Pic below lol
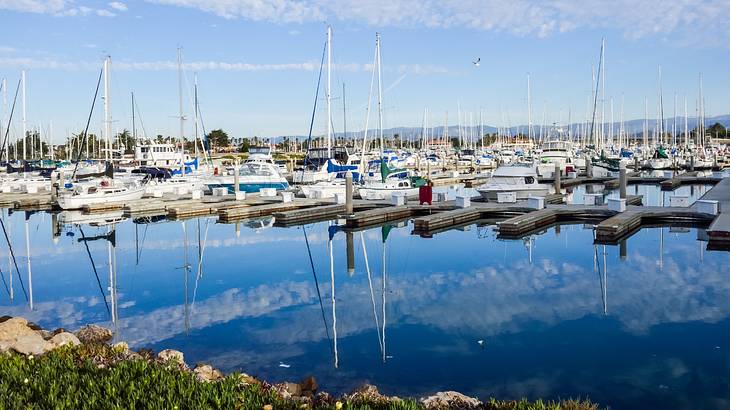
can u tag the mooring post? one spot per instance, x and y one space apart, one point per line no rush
636 164
556 175
348 193
350 254
692 163
589 167
236 188
54 187
622 249
622 180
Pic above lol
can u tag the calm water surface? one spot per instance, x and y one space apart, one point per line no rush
642 325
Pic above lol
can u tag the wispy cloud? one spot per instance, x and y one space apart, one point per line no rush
688 19
52 64
118 5
60 8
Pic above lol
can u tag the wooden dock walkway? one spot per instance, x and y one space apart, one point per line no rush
719 230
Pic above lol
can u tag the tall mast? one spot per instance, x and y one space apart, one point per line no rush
180 98
107 113
329 92
674 126
458 123
25 125
646 123
5 114
344 114
134 125
481 129
50 140
380 95
686 123
529 111
195 109
603 90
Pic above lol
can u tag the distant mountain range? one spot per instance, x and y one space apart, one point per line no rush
631 127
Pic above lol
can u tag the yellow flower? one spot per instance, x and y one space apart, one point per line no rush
338 405
25 381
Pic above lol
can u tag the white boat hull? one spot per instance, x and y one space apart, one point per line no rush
72 201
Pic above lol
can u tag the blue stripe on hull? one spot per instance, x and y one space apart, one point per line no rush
253 187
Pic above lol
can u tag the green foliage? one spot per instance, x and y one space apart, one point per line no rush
218 138
97 376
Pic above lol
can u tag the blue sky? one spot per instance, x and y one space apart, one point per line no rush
257 60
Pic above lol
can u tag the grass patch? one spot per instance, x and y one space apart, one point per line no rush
100 377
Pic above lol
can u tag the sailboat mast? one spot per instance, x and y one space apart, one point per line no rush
380 95
329 92
180 98
107 114
529 111
195 115
686 123
344 114
25 125
5 114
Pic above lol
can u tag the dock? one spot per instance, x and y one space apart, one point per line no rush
512 220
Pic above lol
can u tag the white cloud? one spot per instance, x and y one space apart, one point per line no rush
690 19
118 5
104 13
35 63
34 6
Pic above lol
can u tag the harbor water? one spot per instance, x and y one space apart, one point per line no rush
643 324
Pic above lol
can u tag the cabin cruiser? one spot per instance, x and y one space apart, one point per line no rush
252 176
263 154
556 152
522 180
161 155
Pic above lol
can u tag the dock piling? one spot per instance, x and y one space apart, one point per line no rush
622 180
348 193
556 175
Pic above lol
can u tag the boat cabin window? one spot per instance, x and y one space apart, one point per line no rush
529 180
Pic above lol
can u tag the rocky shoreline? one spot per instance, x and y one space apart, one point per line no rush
20 337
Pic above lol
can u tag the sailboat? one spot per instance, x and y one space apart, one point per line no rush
105 190
391 180
324 164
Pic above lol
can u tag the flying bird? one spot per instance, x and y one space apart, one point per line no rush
476 62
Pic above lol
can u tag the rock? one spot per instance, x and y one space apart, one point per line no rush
367 392
207 373
65 338
94 334
450 400
5 318
31 343
46 335
308 386
170 354
14 329
34 326
287 390
59 330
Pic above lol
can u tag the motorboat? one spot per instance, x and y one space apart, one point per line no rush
252 176
521 180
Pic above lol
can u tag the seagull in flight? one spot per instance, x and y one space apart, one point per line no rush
476 62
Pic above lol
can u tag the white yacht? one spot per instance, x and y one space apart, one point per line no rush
252 176
522 180
154 154
556 152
